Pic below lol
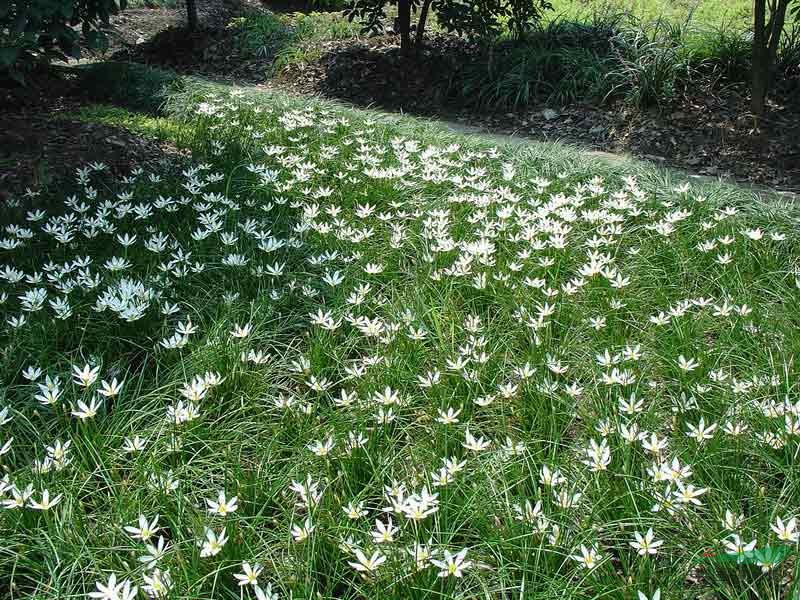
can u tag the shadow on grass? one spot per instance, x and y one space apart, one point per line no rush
176 96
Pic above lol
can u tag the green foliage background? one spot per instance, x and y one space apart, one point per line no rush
36 31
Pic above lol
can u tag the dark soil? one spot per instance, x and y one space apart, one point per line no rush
142 27
159 37
41 146
210 52
709 132
138 25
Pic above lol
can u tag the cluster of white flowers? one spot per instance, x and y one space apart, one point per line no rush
453 353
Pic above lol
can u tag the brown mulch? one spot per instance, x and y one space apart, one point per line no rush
138 25
159 37
210 52
709 133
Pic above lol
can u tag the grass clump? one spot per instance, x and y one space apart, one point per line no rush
614 56
131 85
262 34
561 62
651 68
351 356
291 39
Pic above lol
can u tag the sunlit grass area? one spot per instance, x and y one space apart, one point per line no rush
708 12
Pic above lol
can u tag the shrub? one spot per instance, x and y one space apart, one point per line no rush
323 26
562 62
515 76
34 32
723 52
295 55
614 57
651 67
290 39
262 34
478 19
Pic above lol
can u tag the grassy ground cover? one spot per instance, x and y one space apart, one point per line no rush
349 356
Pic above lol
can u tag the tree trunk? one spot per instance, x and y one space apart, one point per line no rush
758 91
404 23
191 15
777 20
423 17
766 41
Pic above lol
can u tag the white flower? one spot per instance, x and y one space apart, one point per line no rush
47 503
86 376
384 532
367 565
646 544
110 390
111 590
736 545
222 506
453 565
154 553
157 584
589 557
85 411
300 533
249 574
787 532
145 530
687 365
241 331
213 543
